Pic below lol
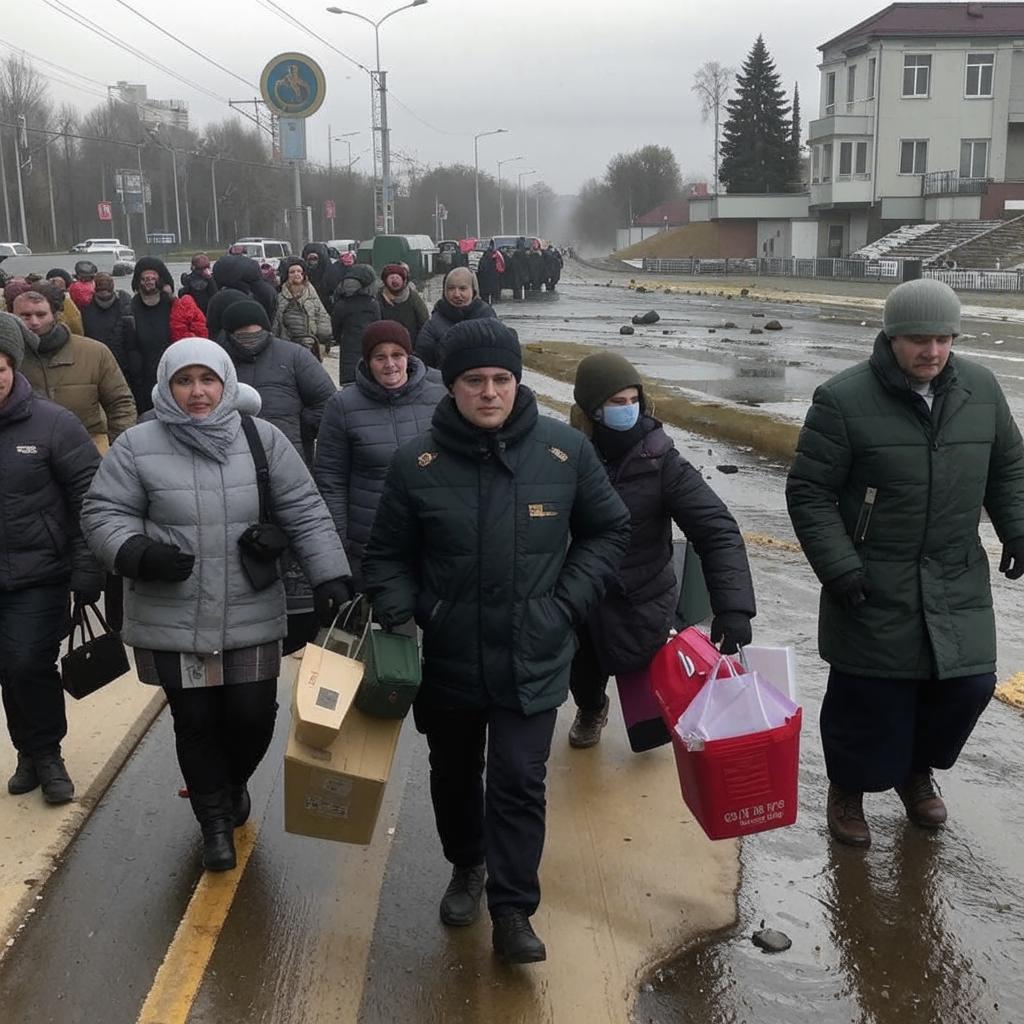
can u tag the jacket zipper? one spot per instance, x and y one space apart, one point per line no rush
864 519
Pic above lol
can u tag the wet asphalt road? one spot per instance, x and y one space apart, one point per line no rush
922 928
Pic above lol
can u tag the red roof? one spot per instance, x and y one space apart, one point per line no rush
676 210
938 19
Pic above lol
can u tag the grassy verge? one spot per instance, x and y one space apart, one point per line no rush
758 430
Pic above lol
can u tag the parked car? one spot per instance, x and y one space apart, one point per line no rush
124 261
96 245
343 244
13 249
264 248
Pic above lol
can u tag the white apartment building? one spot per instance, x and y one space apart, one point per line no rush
921 118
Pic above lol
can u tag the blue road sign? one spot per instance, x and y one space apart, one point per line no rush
293 85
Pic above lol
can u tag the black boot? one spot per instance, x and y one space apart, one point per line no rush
24 779
241 805
213 811
514 939
460 904
53 777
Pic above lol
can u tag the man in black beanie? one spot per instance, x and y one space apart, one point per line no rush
497 531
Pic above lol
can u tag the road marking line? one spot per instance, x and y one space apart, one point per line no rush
179 977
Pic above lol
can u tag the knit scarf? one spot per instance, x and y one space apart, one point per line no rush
54 340
394 298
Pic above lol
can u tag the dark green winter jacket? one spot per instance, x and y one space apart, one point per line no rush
500 544
881 484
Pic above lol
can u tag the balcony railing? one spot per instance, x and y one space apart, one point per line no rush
949 183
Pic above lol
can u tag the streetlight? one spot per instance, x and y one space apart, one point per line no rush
523 174
343 137
476 168
501 204
381 81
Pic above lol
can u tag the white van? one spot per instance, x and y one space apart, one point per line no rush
97 245
264 248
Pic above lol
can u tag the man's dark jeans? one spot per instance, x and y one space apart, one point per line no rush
33 622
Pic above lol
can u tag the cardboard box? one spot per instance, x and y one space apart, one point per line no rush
324 689
335 793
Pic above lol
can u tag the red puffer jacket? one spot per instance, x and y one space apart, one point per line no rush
187 320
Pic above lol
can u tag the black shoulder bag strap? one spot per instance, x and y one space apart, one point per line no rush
259 458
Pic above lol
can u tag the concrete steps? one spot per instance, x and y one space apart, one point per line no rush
927 242
1002 247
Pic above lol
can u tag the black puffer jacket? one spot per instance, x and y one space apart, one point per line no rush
350 316
152 336
445 316
47 461
659 486
242 274
316 270
152 263
115 327
500 542
362 428
293 386
200 287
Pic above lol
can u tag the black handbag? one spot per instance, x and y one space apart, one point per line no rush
97 660
263 543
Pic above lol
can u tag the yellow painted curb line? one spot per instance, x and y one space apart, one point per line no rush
179 977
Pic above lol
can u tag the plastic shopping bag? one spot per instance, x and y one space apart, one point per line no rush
733 705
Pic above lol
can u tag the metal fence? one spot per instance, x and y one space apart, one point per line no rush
883 271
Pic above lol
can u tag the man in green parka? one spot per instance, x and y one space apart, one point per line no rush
897 459
497 531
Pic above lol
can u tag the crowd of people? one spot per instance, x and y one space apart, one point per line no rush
190 454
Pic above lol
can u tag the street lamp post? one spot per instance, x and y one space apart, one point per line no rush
385 141
343 137
519 192
476 169
501 203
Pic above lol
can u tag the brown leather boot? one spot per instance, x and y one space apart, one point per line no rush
920 796
846 818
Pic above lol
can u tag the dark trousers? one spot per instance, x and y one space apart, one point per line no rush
587 680
504 825
875 732
222 732
33 622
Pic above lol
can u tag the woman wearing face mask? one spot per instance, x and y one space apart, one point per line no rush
391 402
166 510
354 310
300 315
400 301
659 487
461 301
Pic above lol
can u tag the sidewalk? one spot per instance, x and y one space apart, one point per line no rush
103 729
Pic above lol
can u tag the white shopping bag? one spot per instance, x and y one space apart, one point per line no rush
733 705
775 663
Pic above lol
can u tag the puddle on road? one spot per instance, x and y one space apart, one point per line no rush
924 928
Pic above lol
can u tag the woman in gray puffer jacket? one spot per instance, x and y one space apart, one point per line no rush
300 315
166 511
391 402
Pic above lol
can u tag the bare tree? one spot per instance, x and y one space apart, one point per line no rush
711 83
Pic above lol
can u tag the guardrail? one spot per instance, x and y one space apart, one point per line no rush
949 183
882 271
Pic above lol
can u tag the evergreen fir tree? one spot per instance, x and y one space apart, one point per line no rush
757 139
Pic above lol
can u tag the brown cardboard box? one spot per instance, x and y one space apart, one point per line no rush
335 793
324 689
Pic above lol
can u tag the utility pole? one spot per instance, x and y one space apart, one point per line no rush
49 186
71 190
142 187
177 206
213 186
501 201
476 169
21 142
3 184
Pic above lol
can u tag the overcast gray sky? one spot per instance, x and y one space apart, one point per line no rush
573 81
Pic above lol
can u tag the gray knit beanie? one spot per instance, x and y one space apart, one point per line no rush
923 307
13 337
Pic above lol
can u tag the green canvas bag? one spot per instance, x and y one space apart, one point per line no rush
392 675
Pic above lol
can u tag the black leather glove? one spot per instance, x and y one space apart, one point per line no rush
165 562
731 631
851 589
87 587
330 597
1011 565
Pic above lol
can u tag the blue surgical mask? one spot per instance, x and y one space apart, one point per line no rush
620 417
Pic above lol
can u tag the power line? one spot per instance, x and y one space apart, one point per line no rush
122 45
181 42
